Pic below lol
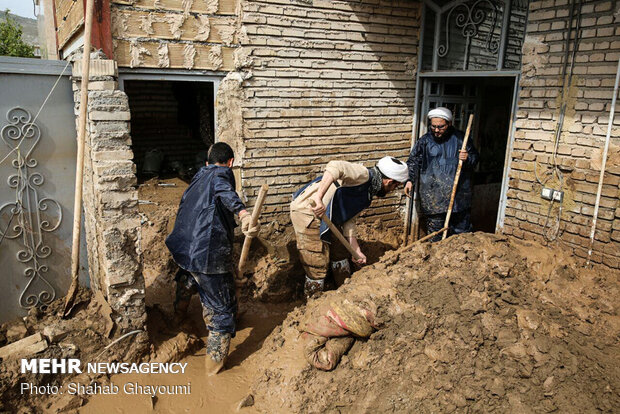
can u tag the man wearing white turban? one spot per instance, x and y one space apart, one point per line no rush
341 193
434 160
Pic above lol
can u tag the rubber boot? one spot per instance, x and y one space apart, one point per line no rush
217 351
313 286
341 270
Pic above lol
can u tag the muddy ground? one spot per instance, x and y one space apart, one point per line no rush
476 323
85 335
273 287
272 272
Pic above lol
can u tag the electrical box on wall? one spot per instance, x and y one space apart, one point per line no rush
551 194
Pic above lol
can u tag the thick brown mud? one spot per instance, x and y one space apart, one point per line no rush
217 394
476 323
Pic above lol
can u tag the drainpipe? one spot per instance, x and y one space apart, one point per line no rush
600 180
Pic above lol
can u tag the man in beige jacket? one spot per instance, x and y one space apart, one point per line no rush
344 190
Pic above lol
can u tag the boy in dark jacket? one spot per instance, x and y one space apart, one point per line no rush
201 244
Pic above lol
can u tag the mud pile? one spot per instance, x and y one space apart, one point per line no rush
84 336
158 209
273 273
476 323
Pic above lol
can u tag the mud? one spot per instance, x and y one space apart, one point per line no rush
272 273
218 394
84 336
476 323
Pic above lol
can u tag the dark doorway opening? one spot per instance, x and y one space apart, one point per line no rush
490 99
172 126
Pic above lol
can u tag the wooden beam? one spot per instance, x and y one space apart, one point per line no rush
30 345
102 28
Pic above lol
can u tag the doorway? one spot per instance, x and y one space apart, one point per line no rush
172 126
490 100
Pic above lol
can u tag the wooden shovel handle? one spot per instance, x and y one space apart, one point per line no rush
245 250
337 233
456 177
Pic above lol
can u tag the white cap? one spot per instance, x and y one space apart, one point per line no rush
394 169
441 112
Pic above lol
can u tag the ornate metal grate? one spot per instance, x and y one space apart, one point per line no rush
473 34
30 215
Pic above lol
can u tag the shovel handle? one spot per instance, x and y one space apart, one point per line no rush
337 233
245 250
456 177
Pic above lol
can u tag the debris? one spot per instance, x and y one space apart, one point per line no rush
248 401
57 332
166 185
16 331
175 348
147 202
475 335
105 311
24 347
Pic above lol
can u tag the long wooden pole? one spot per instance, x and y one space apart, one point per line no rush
456 177
79 166
603 163
245 250
428 236
337 233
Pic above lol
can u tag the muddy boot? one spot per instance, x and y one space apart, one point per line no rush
313 286
341 270
217 351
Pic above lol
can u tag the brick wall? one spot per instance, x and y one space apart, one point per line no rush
330 80
588 100
110 197
69 19
183 34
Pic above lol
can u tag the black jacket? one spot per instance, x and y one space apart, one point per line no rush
202 238
435 162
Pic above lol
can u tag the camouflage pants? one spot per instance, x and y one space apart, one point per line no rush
314 253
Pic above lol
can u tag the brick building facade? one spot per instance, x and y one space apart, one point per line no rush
300 82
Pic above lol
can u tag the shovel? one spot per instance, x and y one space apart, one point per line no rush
337 233
245 250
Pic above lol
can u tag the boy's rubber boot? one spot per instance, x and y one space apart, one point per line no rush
217 351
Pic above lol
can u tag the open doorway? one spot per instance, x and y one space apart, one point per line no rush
490 99
172 126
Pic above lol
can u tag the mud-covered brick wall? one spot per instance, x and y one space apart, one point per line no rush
330 80
181 34
110 197
579 151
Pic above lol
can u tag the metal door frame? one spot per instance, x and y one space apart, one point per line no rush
419 126
422 77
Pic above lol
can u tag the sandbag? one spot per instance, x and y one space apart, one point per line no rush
325 353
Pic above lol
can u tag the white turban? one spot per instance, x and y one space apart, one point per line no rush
441 112
394 169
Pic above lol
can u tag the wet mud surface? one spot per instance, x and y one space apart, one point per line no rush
476 323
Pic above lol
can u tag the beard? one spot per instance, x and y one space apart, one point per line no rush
381 193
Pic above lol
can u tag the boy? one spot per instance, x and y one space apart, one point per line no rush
201 244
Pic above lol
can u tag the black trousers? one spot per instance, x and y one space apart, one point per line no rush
459 223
